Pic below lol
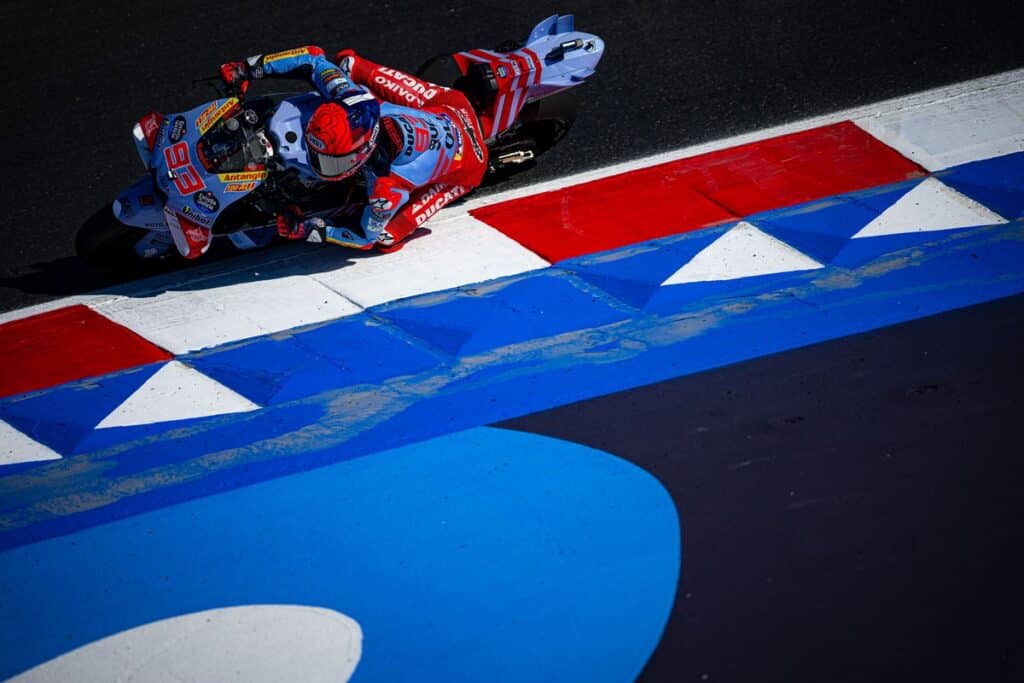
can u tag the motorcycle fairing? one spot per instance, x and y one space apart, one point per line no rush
140 206
194 195
287 127
555 57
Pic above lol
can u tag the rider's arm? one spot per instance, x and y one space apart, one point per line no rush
306 63
388 196
383 220
390 85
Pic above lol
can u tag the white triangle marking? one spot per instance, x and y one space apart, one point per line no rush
16 447
742 252
932 205
176 392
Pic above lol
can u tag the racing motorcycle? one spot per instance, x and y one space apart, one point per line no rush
227 165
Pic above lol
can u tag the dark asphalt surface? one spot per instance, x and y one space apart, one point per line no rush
850 511
675 73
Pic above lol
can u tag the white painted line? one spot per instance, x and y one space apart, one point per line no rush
258 643
976 125
176 392
932 205
459 251
16 447
743 251
182 321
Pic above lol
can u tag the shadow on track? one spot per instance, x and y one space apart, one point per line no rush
222 266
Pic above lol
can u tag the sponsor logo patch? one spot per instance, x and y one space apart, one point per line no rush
178 129
436 198
241 177
196 216
207 201
240 187
213 114
297 52
470 130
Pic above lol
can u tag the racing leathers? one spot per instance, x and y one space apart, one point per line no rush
430 152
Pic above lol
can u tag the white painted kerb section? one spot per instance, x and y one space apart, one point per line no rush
743 251
16 447
459 251
176 392
957 129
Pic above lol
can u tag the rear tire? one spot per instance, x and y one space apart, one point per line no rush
541 125
106 243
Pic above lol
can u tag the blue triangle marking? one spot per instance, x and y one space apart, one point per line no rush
696 294
365 351
821 229
634 274
995 183
628 291
447 325
525 308
863 250
60 417
332 356
260 369
98 439
537 308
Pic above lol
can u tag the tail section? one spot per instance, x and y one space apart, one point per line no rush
555 57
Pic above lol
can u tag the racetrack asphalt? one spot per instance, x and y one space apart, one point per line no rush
884 563
674 74
849 511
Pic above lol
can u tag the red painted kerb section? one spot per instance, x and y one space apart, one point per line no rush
697 192
67 344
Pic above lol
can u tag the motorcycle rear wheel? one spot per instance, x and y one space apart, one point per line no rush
106 243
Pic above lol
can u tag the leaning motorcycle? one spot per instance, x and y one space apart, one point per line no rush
225 166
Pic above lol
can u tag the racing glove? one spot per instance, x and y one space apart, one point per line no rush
345 59
292 225
238 74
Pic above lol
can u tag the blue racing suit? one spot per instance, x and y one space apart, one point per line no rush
431 149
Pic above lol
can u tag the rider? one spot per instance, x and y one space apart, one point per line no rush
419 148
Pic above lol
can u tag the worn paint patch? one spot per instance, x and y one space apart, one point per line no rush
914 275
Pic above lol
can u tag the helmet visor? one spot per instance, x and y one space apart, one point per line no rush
336 167
339 166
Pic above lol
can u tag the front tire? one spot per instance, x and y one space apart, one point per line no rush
106 243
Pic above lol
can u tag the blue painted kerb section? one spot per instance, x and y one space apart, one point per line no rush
485 353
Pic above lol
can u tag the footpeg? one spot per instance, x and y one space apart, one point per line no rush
518 157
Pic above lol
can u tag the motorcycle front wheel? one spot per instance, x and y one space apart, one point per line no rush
106 243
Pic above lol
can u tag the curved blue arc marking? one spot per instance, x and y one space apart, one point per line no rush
486 554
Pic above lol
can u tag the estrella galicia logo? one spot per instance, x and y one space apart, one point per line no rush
177 130
207 201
